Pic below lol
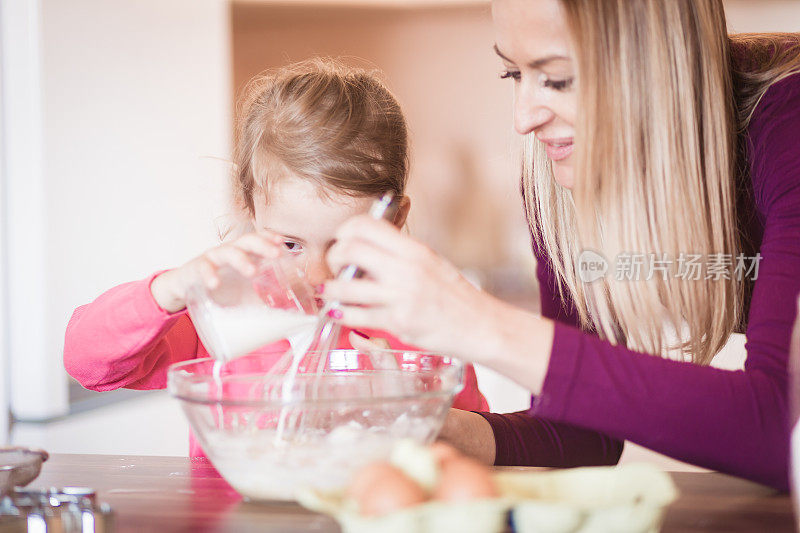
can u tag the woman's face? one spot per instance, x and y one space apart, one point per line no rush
532 40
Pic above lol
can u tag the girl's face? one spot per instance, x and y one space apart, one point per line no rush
534 44
308 220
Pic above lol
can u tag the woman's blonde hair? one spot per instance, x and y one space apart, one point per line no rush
337 126
660 104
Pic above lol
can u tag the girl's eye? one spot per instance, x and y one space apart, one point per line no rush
293 247
513 74
558 85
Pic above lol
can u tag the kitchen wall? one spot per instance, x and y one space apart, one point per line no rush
136 101
4 362
125 108
440 64
762 15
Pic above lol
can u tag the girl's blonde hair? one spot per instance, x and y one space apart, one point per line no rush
337 126
660 104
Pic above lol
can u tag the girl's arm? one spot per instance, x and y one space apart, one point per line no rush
124 339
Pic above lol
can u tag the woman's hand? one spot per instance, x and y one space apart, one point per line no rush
415 294
169 288
409 291
470 433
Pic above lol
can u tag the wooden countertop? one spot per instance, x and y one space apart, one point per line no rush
176 494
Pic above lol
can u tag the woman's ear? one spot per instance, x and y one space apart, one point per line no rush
402 211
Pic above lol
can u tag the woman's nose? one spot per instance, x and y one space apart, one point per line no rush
530 112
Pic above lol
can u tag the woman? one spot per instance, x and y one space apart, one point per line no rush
648 131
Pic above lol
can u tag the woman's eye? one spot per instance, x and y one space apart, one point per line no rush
558 85
513 74
292 247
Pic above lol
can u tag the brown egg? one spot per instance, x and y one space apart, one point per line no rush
381 488
443 452
364 479
464 479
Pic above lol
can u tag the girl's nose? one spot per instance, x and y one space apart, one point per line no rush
317 272
529 112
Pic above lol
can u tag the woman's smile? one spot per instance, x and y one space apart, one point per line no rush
558 149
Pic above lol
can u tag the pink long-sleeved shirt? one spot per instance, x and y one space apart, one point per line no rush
124 339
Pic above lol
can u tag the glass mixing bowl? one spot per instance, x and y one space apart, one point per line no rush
268 443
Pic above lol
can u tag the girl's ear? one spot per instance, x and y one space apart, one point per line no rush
402 211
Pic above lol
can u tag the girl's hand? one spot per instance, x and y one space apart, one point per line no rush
409 291
169 288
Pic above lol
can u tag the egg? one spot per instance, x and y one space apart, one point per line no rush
443 452
463 479
417 462
364 479
381 488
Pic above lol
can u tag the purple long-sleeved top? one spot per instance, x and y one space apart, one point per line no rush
732 421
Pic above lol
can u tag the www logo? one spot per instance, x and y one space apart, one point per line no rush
591 266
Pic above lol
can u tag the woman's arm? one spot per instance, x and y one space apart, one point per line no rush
733 421
523 439
463 318
471 433
124 339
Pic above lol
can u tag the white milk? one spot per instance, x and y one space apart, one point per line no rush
231 332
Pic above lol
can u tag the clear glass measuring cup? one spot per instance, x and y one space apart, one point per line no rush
244 313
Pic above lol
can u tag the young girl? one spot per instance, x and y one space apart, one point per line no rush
316 144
